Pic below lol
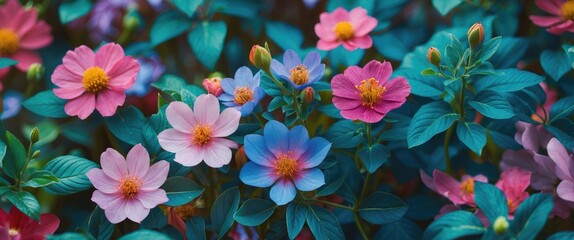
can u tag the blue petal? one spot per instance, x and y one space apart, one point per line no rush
225 97
312 59
283 192
247 108
256 150
276 137
316 74
278 68
242 76
228 85
290 59
298 140
257 175
309 180
255 80
258 94
316 153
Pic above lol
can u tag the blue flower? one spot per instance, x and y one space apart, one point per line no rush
11 104
300 75
243 93
150 71
285 159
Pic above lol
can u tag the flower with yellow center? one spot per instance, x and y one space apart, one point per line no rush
299 74
567 10
129 187
467 186
286 166
370 92
9 42
242 95
95 79
343 30
202 134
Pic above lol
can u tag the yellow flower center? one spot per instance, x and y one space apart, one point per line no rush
344 30
568 10
242 95
286 166
13 232
467 186
129 187
9 42
202 134
370 92
299 75
95 79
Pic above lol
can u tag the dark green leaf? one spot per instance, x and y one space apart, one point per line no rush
206 42
444 6
472 135
71 173
531 216
25 202
454 225
99 226
181 190
13 163
555 63
222 211
323 224
382 208
145 234
492 105
374 156
127 124
284 35
254 212
187 6
563 108
7 62
72 10
40 178
430 120
488 49
195 227
46 104
344 134
403 229
295 219
491 200
507 80
167 26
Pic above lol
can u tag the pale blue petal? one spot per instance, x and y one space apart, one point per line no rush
290 59
256 175
242 76
312 59
257 151
228 85
276 137
283 192
316 152
298 141
310 179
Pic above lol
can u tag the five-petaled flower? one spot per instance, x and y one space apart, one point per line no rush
243 92
16 225
562 19
299 74
350 29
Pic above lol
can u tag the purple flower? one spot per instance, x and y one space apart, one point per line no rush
299 74
150 71
242 93
564 169
285 159
104 14
11 104
310 3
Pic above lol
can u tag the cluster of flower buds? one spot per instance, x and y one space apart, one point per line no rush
475 36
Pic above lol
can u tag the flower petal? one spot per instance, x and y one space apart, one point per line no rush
283 192
257 151
155 176
117 214
190 156
316 152
291 59
181 117
82 106
206 109
113 164
217 154
298 141
227 123
48 224
326 45
108 101
564 163
276 137
256 175
172 140
38 36
108 55
62 77
310 179
123 74
137 161
448 187
566 190
152 198
102 181
546 21
135 211
104 200
26 58
79 60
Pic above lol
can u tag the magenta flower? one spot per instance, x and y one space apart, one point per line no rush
367 94
16 225
198 135
94 80
564 169
513 182
128 188
459 193
350 29
562 17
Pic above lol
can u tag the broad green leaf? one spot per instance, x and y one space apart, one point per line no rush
445 6
72 10
145 234
344 134
181 190
71 173
25 202
430 120
492 105
49 131
127 125
187 6
68 236
99 226
40 178
563 108
556 63
167 26
374 156
15 159
254 212
295 219
206 41
564 235
7 62
284 35
222 211
323 224
382 208
454 225
195 228
488 49
46 104
472 135
491 200
531 216
507 80
155 219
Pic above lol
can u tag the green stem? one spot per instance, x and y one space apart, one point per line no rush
358 204
331 204
28 159
360 227
369 136
446 155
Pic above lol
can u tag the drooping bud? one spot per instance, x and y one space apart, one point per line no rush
35 135
240 157
308 95
433 56
35 72
213 85
500 225
475 35
260 57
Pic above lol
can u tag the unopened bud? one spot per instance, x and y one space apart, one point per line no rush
500 225
308 95
131 20
260 57
35 154
213 85
475 35
35 135
240 157
35 72
433 56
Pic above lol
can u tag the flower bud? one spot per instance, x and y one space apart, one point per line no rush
213 85
240 157
308 95
35 154
475 35
260 57
35 135
433 56
131 20
500 225
35 72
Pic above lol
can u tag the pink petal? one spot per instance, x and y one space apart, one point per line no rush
37 37
105 200
21 21
102 181
62 77
123 74
355 75
107 101
349 45
155 176
108 55
545 21
552 7
327 45
342 103
113 164
227 123
362 23
69 93
427 180
152 198
561 28
324 33
79 60
217 155
25 58
173 140
137 161
448 187
225 142
343 87
135 211
190 156
338 15
381 71
117 214
363 113
181 117
564 163
48 224
363 42
566 190
396 95
206 109
81 106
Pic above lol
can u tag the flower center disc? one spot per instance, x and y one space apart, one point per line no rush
370 92
567 10
202 134
9 42
95 79
243 95
129 187
286 166
299 74
467 186
344 30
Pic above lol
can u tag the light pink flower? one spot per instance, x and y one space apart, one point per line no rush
367 94
128 188
94 80
513 182
348 28
198 135
21 34
459 193
562 12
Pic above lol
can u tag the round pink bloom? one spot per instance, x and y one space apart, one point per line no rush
128 188
16 225
198 135
562 17
348 28
366 94
95 80
21 34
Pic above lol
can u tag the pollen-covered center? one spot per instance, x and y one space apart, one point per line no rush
13 232
299 74
242 95
9 42
467 186
370 92
286 166
95 79
202 134
568 10
129 187
343 30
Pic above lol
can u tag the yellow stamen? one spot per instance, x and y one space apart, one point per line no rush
370 92
242 95
129 187
467 186
9 42
286 166
568 10
202 134
343 30
299 74
95 79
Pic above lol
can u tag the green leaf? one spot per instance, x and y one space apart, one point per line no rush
562 130
403 229
71 173
275 104
488 49
563 108
99 226
454 225
3 150
222 211
491 201
181 190
472 135
507 80
195 227
445 6
72 10
188 97
40 178
323 224
531 216
7 62
169 83
382 208
46 104
254 212
284 35
187 6
25 202
206 42
374 156
428 72
49 131
127 124
564 235
344 134
555 63
295 219
14 162
167 26
430 120
145 234
155 219
68 236
492 105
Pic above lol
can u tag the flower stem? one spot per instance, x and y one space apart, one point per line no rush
358 204
291 93
331 204
446 144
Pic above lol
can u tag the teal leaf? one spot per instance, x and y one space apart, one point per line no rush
99 226
344 134
531 216
507 80
562 130
492 105
155 219
72 10
25 202
295 219
169 83
46 104
284 35
382 208
15 160
564 235
323 224
404 229
195 227
222 211
187 6
445 6
374 156
254 212
491 200
127 124
430 120
563 108
71 173
68 236
472 135
181 190
555 63
454 225
40 178
49 131
3 151
206 42
188 97
7 62
167 26
342 58
143 234
488 49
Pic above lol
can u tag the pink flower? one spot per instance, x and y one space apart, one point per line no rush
94 80
366 94
562 17
541 114
213 85
21 34
459 193
128 187
16 225
198 135
513 182
348 28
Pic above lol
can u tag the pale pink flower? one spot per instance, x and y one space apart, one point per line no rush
561 19
514 182
94 80
128 188
351 29
459 193
198 135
